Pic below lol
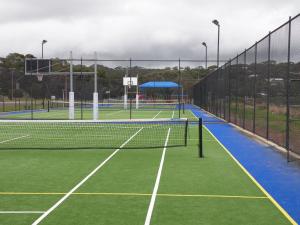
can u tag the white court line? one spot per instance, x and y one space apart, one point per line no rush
156 115
112 113
173 114
45 214
154 193
16 138
21 212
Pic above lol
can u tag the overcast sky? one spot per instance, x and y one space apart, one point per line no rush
137 28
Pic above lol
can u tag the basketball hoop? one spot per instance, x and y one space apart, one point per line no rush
39 77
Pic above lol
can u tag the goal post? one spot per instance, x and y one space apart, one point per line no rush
71 93
95 94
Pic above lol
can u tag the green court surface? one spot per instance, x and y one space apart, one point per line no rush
87 114
163 185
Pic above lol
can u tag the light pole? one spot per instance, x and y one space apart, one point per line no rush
216 22
43 42
205 45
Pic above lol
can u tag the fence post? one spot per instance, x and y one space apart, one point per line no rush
31 107
268 84
245 92
287 138
254 88
130 94
236 90
3 103
178 88
229 93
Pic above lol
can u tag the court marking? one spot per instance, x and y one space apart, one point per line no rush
45 214
275 203
116 112
173 114
21 212
156 115
155 189
13 139
137 194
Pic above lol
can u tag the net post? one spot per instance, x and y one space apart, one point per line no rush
48 106
200 124
186 132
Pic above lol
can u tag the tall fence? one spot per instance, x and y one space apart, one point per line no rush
259 89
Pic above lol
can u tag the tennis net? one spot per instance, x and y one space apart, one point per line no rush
88 134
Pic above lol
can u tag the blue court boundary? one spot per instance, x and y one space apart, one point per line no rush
268 166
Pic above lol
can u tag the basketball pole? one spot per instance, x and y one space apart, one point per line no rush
71 93
95 95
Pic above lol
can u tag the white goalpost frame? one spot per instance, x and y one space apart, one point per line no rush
72 96
95 94
71 93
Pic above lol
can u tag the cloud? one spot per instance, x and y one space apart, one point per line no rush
138 28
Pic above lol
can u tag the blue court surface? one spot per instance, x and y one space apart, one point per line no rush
267 166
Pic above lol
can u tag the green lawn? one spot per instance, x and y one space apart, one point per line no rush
212 190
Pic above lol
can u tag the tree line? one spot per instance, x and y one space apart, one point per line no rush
14 84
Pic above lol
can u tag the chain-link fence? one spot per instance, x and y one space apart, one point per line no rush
259 90
24 96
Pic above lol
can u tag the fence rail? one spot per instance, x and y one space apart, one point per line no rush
259 89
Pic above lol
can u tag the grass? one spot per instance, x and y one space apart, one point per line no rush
212 190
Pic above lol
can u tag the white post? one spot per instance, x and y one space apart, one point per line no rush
125 97
137 93
71 93
125 92
95 95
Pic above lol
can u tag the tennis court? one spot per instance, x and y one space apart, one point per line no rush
144 173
